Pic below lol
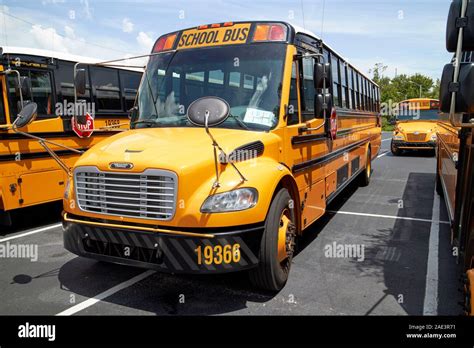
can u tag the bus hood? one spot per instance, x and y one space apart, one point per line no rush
421 126
180 150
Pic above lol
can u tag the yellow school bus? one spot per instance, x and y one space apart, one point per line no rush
28 174
415 128
455 150
242 135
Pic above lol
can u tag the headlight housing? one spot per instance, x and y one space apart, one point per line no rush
398 137
236 200
67 188
434 137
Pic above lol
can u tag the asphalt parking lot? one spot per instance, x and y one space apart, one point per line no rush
407 266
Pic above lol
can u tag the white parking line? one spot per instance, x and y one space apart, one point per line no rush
430 305
92 301
386 139
387 217
47 228
383 154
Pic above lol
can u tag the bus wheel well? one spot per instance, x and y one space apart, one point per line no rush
288 182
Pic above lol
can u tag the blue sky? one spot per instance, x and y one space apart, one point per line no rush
406 35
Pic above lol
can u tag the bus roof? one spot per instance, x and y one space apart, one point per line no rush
301 30
58 55
412 100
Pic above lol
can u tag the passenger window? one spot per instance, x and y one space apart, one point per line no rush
41 90
216 77
336 81
293 117
308 89
130 82
105 83
64 77
234 79
248 81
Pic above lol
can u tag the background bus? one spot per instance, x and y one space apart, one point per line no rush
415 127
28 174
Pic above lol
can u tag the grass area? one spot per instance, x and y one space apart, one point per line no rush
386 126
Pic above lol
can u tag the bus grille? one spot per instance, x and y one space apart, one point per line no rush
416 137
147 195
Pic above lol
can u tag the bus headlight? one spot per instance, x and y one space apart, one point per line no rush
66 189
398 137
237 200
434 137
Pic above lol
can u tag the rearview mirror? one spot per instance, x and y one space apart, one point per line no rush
322 75
319 106
455 22
26 115
464 89
208 112
80 81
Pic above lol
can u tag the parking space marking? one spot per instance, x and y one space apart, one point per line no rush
383 154
43 229
92 301
388 217
430 304
386 139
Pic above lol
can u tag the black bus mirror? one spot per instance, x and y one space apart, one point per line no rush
320 106
464 89
208 112
27 115
24 88
133 114
80 81
322 75
455 22
393 121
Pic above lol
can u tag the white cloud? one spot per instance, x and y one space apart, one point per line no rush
47 2
86 9
145 41
127 25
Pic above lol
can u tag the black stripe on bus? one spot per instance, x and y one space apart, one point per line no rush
309 138
46 135
347 131
326 158
36 155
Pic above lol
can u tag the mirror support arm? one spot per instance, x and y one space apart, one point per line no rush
44 143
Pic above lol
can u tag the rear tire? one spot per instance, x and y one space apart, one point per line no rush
271 274
364 179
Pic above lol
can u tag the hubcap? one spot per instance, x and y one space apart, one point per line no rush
286 236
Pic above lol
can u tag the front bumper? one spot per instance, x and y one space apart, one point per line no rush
164 252
401 144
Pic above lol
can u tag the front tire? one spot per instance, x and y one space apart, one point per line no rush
274 265
395 151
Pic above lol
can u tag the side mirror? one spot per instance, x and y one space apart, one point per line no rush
133 114
455 22
393 121
464 89
80 81
319 106
208 112
322 75
26 115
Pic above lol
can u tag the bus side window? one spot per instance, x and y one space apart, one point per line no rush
293 109
64 77
336 82
41 90
105 82
307 109
129 82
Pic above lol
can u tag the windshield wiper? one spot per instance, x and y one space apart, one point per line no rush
240 122
149 122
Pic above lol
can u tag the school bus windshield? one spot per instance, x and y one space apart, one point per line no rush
418 115
248 78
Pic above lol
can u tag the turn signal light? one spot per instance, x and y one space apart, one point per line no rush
270 32
165 43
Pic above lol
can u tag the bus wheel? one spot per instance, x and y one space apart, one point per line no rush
364 179
394 149
277 246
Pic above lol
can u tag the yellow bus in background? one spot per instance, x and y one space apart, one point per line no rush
415 128
28 174
242 135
